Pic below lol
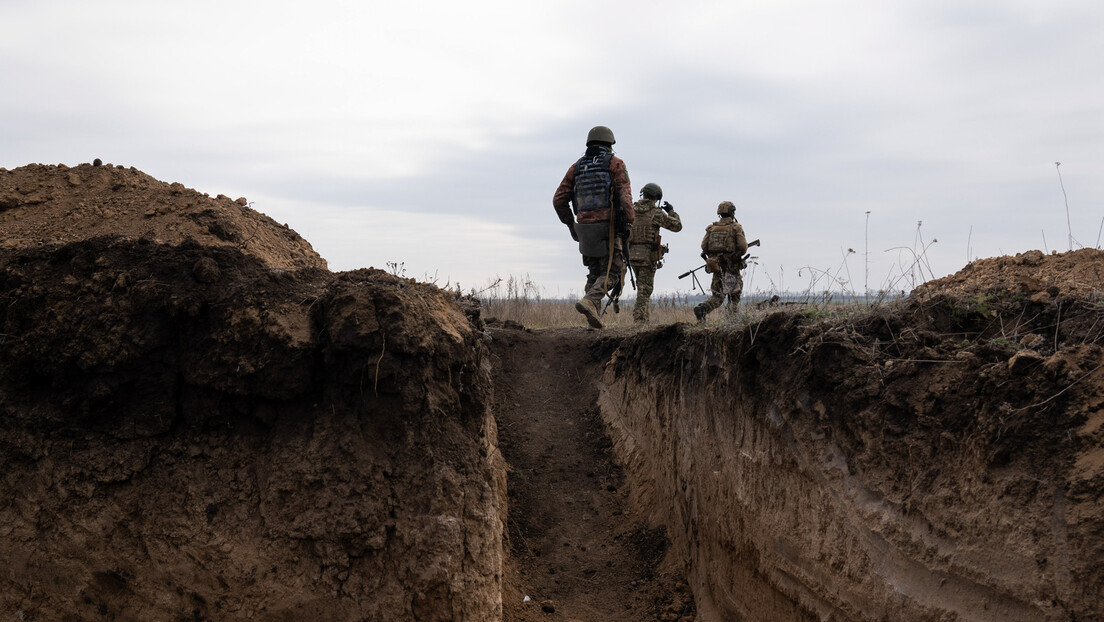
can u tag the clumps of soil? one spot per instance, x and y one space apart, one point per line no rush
1076 274
941 457
51 205
199 421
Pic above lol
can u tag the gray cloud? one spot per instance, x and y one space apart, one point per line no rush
951 114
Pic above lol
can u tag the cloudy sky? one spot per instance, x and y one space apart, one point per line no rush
432 135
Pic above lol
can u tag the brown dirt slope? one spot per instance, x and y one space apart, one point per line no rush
221 429
1077 273
576 546
42 205
941 458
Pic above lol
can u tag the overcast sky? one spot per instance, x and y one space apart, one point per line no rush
433 134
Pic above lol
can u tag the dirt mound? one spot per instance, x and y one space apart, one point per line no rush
199 421
46 205
938 458
1077 273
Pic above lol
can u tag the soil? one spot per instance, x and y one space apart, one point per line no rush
50 205
937 458
1078 274
199 421
578 549
206 425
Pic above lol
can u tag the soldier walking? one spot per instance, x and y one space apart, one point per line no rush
723 249
594 200
645 247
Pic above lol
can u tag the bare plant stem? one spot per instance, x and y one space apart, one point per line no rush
866 255
1063 185
969 236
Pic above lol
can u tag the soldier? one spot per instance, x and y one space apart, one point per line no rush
597 192
645 250
723 249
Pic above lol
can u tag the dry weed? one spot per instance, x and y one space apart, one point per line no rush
519 299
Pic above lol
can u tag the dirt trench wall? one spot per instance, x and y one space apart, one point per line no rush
839 472
189 433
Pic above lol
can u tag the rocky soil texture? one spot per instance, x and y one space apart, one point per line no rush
938 459
201 422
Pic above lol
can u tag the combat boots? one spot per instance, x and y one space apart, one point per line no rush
699 313
590 310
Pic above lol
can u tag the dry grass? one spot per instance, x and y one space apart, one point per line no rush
519 300
562 313
824 295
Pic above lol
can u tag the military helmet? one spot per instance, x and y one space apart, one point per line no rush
651 191
726 208
600 134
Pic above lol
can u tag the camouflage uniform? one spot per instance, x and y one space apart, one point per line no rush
644 251
602 276
725 266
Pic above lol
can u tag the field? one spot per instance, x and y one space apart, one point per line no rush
519 300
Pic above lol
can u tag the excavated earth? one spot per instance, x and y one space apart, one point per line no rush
937 459
199 421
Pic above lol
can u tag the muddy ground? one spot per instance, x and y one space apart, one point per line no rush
199 421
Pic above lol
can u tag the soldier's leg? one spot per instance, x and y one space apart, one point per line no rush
594 267
714 301
735 293
588 305
645 279
607 277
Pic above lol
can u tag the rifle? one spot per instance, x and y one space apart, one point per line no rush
743 260
695 276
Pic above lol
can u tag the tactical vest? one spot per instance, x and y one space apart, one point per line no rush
720 237
593 182
643 229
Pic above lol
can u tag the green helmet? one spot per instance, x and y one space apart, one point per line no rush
651 191
726 208
600 134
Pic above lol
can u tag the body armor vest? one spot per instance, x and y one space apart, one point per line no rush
643 228
593 182
720 237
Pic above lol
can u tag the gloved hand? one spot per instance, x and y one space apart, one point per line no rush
571 228
667 207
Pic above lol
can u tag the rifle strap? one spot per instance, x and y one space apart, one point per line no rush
609 263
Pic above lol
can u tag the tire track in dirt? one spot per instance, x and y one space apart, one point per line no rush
574 543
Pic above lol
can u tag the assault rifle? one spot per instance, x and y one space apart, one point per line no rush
691 273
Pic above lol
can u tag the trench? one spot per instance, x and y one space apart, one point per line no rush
208 427
796 479
779 472
576 549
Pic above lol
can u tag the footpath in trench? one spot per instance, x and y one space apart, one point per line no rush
577 551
